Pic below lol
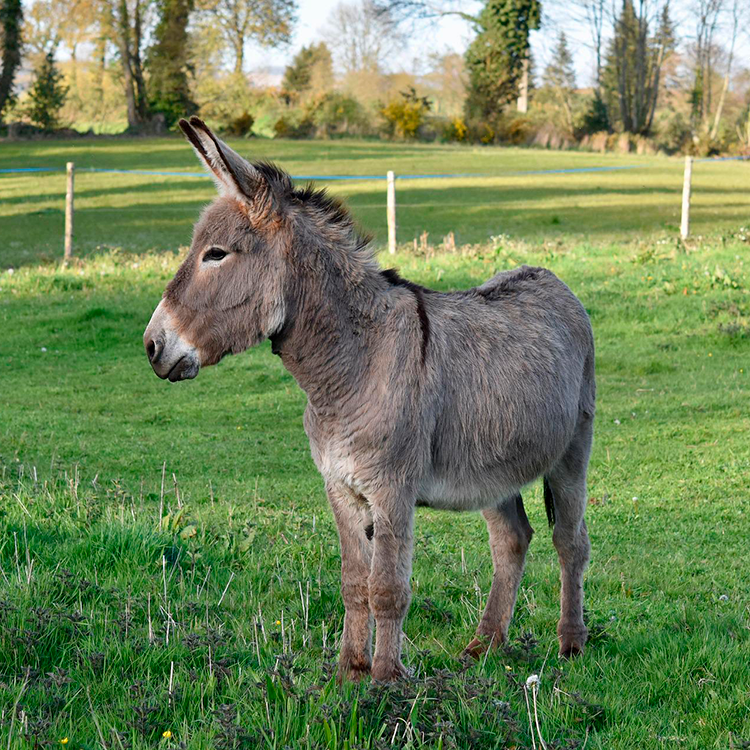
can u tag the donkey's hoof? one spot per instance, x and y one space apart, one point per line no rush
478 647
352 669
571 652
392 672
572 643
481 644
475 649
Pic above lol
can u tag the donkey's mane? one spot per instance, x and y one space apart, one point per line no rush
329 207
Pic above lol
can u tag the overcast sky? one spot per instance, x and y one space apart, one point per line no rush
454 34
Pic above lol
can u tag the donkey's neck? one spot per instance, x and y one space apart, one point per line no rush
328 335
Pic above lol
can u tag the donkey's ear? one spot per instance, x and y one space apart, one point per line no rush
233 175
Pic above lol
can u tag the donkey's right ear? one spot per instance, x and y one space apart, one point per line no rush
233 175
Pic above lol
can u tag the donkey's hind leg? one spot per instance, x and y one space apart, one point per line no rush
565 490
354 525
510 534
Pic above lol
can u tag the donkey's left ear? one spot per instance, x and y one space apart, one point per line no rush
234 176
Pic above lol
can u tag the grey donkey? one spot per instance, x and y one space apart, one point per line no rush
415 397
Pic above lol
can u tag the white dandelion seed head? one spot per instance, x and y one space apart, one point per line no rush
532 680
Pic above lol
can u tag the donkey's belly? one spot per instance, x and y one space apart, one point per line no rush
465 493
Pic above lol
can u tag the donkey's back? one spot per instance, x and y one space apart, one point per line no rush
512 376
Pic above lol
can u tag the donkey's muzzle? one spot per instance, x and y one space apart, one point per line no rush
171 357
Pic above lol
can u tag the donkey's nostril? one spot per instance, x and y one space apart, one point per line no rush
153 350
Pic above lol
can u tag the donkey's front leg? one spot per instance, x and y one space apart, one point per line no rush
390 590
354 525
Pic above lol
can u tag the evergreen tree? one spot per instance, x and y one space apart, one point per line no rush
310 71
11 21
495 59
560 76
560 73
631 77
169 91
47 95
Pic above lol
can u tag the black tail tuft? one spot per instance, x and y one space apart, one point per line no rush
549 503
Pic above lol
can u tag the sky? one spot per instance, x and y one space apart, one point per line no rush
446 35
453 34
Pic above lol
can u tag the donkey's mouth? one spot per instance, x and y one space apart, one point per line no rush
185 368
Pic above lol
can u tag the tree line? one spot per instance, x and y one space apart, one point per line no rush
157 60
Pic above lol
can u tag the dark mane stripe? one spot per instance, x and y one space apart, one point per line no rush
391 275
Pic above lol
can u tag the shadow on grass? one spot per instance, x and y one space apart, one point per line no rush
472 213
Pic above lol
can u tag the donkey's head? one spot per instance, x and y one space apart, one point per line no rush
228 294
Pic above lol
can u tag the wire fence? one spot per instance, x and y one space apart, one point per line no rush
383 176
389 178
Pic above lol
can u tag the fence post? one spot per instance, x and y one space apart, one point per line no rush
391 210
685 223
70 170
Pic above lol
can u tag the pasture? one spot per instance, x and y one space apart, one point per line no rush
136 212
169 567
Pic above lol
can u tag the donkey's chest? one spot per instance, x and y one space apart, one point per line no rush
336 456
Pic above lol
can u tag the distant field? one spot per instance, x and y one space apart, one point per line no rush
142 213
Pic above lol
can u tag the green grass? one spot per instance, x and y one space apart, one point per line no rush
168 561
148 212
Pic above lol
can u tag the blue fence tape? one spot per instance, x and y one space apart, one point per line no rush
323 177
32 169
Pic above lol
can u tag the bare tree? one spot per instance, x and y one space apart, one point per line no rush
445 81
571 16
706 15
631 78
361 35
125 21
736 13
596 15
268 22
401 11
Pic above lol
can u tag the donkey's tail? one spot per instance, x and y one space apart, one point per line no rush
549 502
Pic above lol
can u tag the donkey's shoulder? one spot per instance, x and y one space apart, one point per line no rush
523 279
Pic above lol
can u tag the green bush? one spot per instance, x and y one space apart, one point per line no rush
295 123
673 133
514 129
240 126
404 117
338 114
230 99
455 131
482 131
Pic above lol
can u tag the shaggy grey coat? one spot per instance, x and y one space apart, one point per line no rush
415 397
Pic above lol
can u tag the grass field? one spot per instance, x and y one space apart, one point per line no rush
168 563
149 212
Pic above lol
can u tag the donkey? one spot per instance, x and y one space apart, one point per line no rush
415 397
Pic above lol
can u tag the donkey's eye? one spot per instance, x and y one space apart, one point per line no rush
214 253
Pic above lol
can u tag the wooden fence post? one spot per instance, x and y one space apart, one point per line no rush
685 223
70 170
391 211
